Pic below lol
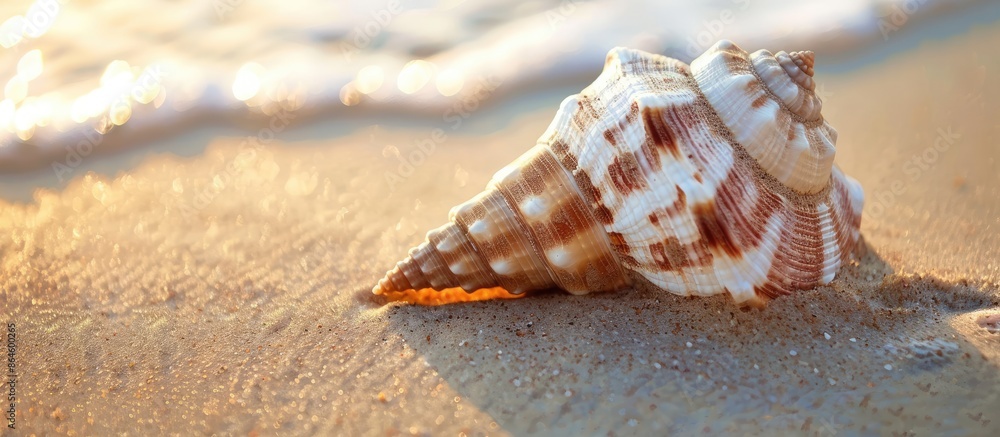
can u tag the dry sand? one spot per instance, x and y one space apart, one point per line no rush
139 307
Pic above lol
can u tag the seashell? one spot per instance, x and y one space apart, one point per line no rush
702 179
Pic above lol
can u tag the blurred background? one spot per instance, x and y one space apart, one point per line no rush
197 196
100 85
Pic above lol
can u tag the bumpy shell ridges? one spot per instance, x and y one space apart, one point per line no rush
799 65
772 115
645 172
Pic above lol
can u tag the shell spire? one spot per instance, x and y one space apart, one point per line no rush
529 230
768 102
712 178
804 60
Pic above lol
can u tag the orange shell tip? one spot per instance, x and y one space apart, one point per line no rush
432 297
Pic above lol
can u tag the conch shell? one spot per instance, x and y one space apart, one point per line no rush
702 179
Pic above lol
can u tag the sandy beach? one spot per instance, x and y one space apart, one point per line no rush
229 292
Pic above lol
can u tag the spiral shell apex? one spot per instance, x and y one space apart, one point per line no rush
712 178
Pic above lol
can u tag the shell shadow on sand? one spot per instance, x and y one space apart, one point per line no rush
820 361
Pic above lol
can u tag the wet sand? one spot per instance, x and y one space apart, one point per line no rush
230 292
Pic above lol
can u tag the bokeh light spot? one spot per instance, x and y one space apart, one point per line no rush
16 89
120 112
247 83
30 65
369 79
116 73
414 76
349 95
7 114
449 82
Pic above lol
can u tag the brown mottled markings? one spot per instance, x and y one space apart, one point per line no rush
679 204
702 256
618 243
759 101
807 240
629 260
791 133
659 132
697 177
653 218
564 223
733 62
799 253
660 258
740 212
569 161
533 179
558 147
770 289
625 174
592 195
586 185
436 266
682 68
754 87
586 113
478 211
651 155
633 113
603 214
566 158
713 230
668 254
610 137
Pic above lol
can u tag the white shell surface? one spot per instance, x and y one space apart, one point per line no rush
700 183
775 119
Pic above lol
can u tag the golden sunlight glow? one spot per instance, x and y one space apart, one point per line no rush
120 88
120 112
24 121
45 108
146 92
7 114
16 89
349 96
117 72
88 106
12 31
449 82
369 79
30 65
431 297
247 83
41 13
414 76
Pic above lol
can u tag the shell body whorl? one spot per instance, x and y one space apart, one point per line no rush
703 179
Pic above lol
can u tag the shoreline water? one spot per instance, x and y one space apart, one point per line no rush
126 147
